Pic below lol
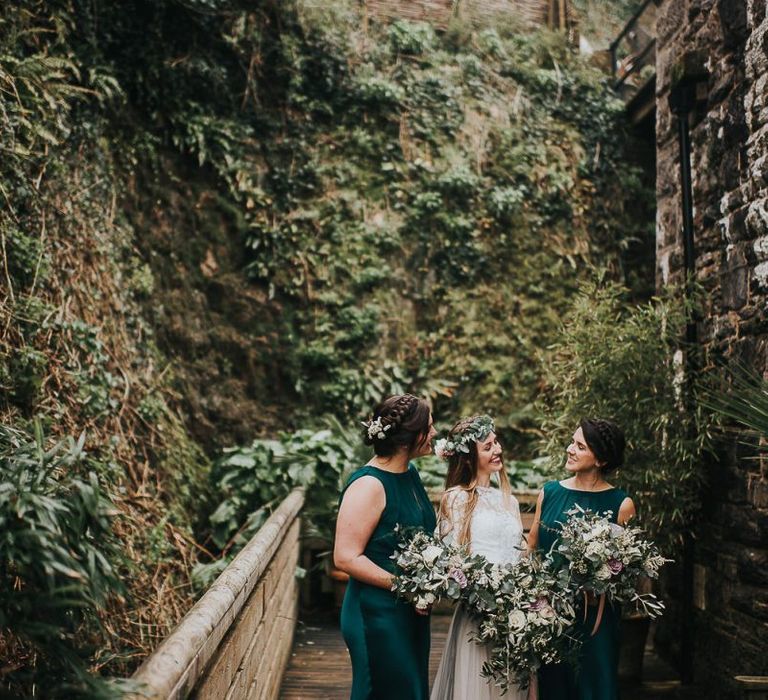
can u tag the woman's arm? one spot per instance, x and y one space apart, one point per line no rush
626 512
359 513
450 514
533 533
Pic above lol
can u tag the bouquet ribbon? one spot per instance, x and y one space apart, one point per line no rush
600 609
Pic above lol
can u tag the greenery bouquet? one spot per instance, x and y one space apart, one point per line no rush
601 557
430 570
523 611
525 616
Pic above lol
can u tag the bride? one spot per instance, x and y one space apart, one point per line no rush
474 513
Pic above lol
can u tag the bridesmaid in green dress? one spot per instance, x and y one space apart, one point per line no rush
388 639
597 448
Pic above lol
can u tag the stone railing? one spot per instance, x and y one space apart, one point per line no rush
235 642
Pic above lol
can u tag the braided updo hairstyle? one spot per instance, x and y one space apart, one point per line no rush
606 440
408 417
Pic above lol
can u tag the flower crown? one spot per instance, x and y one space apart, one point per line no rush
477 430
376 429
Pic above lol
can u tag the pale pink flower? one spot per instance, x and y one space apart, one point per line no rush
615 566
459 576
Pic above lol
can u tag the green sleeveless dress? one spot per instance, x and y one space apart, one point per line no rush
596 676
388 641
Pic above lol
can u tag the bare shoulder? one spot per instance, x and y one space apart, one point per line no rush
627 511
365 489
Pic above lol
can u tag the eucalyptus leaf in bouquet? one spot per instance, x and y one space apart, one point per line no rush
526 616
429 569
601 557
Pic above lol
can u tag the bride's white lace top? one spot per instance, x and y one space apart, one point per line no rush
496 531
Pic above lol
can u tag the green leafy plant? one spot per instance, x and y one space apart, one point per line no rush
253 479
741 396
57 558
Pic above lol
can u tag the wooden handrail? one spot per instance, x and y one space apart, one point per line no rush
175 667
614 45
630 23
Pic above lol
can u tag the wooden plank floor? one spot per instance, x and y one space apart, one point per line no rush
319 665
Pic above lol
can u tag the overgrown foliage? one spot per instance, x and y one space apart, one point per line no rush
57 548
270 213
78 358
620 362
408 199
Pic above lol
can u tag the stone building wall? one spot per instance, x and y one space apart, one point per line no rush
729 135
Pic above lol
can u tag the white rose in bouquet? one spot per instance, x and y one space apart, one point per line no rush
517 620
604 572
600 529
595 549
424 601
430 554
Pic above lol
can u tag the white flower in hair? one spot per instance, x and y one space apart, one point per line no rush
441 449
376 429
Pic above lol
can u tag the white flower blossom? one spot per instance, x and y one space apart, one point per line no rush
595 548
431 554
517 620
377 429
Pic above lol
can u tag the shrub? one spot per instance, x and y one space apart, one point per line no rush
57 550
255 478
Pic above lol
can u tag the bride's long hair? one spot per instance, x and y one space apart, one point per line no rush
462 475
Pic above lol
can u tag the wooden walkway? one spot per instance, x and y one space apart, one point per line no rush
319 668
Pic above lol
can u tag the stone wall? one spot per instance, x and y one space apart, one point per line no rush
729 135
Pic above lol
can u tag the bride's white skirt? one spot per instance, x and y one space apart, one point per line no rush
459 674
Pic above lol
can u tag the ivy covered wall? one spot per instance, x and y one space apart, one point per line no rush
225 218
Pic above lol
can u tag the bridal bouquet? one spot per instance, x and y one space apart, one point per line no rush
429 569
524 616
605 558
523 611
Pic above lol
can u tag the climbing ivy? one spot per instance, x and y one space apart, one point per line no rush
307 210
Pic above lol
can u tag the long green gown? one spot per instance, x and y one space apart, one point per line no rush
388 641
595 678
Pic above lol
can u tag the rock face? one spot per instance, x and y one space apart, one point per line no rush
729 160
